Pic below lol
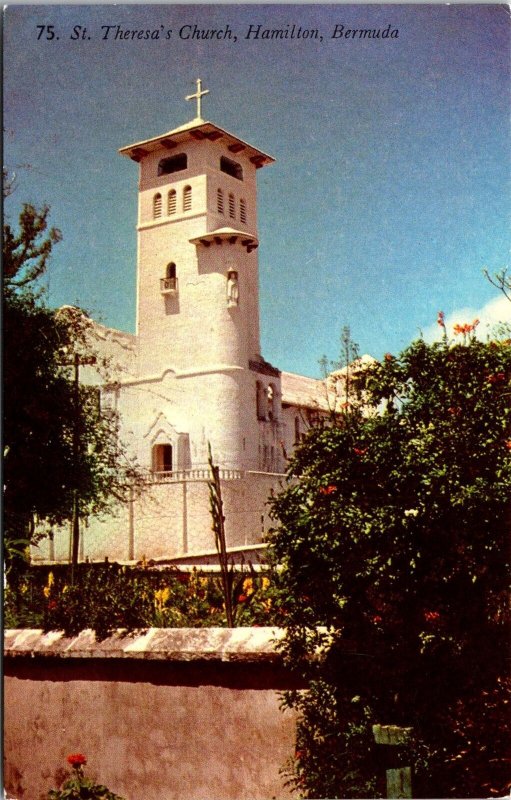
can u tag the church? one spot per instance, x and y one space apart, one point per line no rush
193 374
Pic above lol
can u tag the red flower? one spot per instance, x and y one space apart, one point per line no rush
431 616
327 489
52 604
497 377
377 619
77 760
508 444
389 357
242 598
359 451
441 318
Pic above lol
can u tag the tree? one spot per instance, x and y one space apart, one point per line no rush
62 456
393 535
501 280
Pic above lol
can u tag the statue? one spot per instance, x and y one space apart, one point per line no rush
232 288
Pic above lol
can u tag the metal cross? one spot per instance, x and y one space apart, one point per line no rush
197 96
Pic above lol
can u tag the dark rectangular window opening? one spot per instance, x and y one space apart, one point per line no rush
231 168
173 164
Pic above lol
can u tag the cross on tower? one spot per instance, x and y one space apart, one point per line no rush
197 96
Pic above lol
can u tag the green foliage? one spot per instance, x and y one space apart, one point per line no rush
79 787
393 533
105 597
60 450
26 251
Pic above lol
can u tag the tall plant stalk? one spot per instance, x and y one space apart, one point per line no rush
218 525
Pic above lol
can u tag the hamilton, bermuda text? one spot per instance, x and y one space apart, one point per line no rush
193 32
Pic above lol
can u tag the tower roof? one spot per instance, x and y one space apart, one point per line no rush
197 130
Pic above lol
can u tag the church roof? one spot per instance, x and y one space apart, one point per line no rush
197 129
298 390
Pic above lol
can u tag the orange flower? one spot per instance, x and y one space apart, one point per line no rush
327 489
467 327
389 357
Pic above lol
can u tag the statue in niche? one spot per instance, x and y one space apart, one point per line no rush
232 288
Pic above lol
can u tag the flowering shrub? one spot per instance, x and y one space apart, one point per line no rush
107 596
78 787
407 565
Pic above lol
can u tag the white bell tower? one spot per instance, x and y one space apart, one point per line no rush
197 280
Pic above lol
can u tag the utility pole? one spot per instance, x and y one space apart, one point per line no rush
75 524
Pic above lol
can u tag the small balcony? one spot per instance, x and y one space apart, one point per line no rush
168 286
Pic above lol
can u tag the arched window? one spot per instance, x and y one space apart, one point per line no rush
187 198
243 211
168 284
219 201
231 206
171 202
157 206
162 458
260 404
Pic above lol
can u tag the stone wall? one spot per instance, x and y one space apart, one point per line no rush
171 519
166 715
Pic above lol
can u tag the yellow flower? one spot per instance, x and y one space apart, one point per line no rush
51 579
46 591
248 587
160 597
265 584
65 588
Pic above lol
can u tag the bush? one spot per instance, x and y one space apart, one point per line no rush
394 534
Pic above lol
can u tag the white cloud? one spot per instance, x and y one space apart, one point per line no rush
496 310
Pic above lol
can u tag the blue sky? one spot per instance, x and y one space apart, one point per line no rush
391 188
